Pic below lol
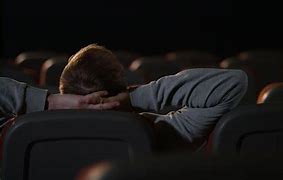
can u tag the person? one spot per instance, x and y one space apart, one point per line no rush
204 95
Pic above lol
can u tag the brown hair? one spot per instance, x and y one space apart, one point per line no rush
93 68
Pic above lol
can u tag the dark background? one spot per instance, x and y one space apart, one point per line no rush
224 27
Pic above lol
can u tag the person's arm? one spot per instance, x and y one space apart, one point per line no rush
18 98
204 95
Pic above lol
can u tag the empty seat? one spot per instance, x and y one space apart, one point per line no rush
152 68
254 129
16 73
233 63
183 166
267 66
126 57
272 93
32 61
57 144
134 78
193 59
51 70
265 55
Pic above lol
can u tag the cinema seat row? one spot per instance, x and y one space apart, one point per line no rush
263 66
59 144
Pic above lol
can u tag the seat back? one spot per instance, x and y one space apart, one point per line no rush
152 68
193 59
188 166
264 55
32 61
272 93
57 144
51 70
234 63
134 78
126 57
267 66
14 72
254 129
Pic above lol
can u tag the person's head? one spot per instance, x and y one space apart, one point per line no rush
93 68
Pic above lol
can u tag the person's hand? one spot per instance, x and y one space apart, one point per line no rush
91 101
123 98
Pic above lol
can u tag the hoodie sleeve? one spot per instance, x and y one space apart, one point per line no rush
204 95
18 98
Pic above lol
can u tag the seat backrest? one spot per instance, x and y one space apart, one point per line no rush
57 144
272 93
152 68
126 57
267 65
14 72
51 70
32 61
234 63
196 167
134 78
264 55
193 58
253 129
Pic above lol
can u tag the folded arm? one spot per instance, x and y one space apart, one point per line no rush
204 95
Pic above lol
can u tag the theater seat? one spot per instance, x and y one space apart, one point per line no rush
133 78
272 93
16 73
234 63
266 64
57 144
254 129
193 59
152 68
32 61
126 57
187 167
51 70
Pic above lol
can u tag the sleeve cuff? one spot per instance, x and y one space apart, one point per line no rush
142 98
138 98
35 99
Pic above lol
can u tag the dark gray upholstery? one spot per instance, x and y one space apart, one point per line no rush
194 58
34 59
51 70
266 65
152 68
126 57
234 63
57 144
198 167
254 129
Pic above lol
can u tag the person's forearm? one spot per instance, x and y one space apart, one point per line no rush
194 88
35 99
204 94
18 98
